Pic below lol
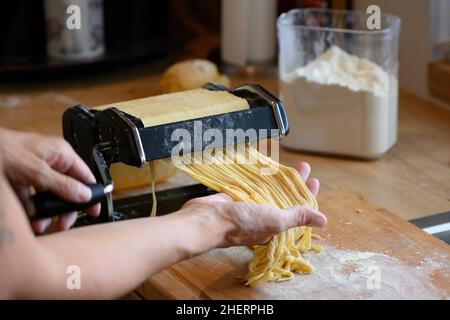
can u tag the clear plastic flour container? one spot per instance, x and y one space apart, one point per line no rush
338 80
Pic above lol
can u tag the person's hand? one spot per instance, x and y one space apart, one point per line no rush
46 163
249 224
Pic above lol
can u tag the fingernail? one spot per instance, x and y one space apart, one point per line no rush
318 219
66 221
41 225
84 193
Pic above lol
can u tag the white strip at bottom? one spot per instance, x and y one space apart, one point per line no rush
438 228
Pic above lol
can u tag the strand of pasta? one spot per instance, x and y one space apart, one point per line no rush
244 181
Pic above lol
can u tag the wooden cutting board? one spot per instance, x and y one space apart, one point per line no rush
369 253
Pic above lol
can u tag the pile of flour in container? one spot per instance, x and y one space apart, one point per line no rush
341 104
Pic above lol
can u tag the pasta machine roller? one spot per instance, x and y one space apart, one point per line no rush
104 137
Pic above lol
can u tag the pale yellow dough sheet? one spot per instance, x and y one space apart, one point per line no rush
183 105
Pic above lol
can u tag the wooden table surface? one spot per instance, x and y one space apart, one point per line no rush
369 253
412 180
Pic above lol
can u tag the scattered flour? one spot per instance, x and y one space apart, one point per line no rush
12 101
64 99
345 274
429 264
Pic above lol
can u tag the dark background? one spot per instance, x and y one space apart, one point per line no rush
136 31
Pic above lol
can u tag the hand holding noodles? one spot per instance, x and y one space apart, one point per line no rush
241 175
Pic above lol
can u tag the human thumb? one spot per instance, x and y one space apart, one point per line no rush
305 216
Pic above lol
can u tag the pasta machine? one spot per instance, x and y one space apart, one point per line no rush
104 137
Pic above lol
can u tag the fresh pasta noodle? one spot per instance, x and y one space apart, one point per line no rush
240 173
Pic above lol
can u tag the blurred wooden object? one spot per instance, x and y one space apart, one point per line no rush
439 80
195 17
340 4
